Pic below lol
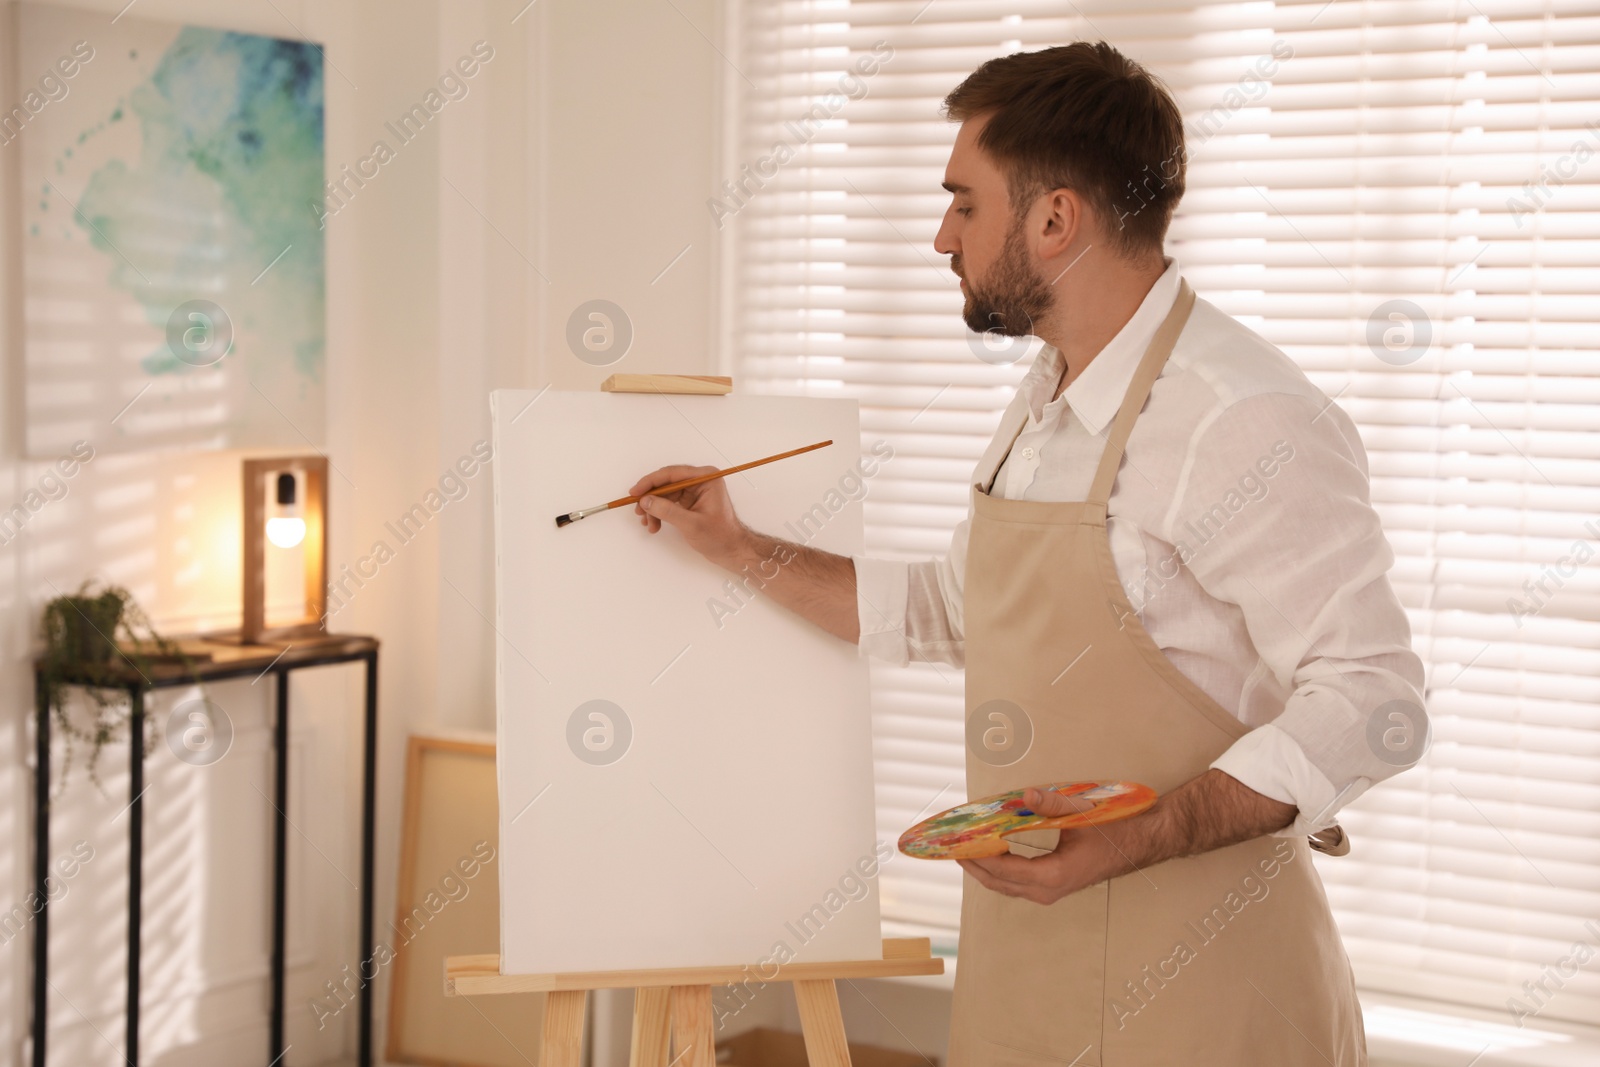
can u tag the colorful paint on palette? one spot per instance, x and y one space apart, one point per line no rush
979 828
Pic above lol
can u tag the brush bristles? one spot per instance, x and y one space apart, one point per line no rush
562 520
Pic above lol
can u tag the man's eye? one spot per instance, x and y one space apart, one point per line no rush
963 211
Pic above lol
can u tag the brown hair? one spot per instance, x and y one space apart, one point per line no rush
1084 117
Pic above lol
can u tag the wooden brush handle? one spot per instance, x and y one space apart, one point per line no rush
673 487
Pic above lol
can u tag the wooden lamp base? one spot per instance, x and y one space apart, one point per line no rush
313 471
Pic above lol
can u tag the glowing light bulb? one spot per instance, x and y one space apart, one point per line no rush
286 528
286 532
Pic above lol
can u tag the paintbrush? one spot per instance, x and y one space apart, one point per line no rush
673 487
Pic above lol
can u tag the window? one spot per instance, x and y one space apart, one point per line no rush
1404 195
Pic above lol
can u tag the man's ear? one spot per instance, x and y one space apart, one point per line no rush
1061 221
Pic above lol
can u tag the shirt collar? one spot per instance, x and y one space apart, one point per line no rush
1097 393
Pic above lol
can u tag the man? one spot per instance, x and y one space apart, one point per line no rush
1211 617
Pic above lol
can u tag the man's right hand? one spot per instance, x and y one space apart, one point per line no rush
702 513
816 585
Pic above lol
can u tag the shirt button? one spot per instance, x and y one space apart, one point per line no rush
1027 453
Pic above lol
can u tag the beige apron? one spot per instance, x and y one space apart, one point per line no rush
1228 959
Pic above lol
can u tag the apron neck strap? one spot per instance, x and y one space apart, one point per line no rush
1155 357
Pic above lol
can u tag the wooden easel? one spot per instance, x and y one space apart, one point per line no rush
675 1002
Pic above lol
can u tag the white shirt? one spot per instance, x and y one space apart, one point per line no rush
1242 529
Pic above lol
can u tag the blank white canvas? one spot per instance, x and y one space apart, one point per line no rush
735 826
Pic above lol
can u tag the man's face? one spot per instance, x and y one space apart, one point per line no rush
986 243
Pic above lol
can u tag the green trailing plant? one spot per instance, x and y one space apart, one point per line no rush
92 640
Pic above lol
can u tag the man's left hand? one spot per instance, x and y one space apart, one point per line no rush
1082 857
1211 811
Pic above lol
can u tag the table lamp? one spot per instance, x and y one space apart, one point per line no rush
285 505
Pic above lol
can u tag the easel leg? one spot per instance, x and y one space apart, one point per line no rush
561 1043
692 1026
820 1021
651 1017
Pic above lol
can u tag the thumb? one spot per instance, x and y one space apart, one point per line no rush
668 511
1050 803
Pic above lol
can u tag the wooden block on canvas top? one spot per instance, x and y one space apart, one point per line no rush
681 384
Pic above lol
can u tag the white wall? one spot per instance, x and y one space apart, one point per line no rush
168 528
423 319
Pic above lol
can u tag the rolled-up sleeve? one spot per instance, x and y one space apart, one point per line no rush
1307 564
913 610
881 591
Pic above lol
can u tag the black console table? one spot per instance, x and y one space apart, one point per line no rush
227 661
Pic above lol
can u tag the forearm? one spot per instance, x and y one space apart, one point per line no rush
1208 812
1205 813
816 585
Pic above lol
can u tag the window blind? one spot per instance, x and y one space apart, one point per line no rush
1404 195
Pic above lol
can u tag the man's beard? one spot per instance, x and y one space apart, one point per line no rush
1013 298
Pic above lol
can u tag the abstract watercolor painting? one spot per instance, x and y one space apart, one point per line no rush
979 827
173 257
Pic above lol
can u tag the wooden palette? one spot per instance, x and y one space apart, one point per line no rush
979 828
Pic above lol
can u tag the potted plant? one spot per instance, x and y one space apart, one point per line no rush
91 639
